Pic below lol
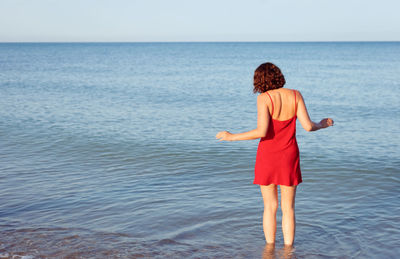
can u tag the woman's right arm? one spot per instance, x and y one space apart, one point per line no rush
305 120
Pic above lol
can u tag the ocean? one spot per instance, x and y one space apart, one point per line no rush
108 150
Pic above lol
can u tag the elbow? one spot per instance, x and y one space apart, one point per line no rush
309 127
313 127
261 134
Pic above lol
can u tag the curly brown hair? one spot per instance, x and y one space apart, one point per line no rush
267 77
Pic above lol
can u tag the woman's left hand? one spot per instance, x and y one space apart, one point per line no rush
224 135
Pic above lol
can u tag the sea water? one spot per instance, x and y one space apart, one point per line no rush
108 150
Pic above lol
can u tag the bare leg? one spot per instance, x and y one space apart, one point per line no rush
270 197
288 194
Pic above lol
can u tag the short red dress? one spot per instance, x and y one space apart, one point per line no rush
278 160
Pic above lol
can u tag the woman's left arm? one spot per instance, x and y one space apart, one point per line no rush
263 118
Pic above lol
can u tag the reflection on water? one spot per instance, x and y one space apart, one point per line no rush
271 252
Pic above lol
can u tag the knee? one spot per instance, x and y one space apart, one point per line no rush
287 209
271 207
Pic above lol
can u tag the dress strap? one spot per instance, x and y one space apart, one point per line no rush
295 103
272 104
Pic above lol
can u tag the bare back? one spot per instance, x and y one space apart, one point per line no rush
283 105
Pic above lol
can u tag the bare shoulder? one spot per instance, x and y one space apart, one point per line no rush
262 97
298 94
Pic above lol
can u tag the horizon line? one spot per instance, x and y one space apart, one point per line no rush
300 41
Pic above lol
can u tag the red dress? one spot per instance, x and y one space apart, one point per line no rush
278 160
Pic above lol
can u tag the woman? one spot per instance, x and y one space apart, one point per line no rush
277 161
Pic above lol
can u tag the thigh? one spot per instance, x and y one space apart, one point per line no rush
269 193
288 195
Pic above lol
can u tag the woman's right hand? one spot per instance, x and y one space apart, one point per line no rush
324 123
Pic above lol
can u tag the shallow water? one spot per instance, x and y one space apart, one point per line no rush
109 150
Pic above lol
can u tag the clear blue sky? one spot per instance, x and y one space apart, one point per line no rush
199 20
